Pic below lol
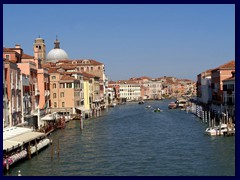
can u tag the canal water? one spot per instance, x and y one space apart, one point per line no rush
130 140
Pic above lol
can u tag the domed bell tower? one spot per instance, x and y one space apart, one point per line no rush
39 51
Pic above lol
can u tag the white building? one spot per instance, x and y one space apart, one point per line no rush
130 90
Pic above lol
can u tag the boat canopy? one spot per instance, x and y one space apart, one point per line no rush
17 140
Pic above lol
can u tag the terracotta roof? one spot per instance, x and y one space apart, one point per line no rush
228 65
8 50
111 82
26 56
230 79
52 70
145 77
88 75
85 78
66 77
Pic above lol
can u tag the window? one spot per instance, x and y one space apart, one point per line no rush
54 86
224 87
77 103
91 68
7 57
55 104
62 94
54 95
53 77
99 67
69 85
63 104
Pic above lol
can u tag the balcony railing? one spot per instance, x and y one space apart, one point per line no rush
47 92
37 92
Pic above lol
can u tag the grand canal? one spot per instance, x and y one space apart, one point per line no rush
132 140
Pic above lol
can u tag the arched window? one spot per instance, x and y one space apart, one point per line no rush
54 86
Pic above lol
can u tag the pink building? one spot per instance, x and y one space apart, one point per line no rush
34 81
13 90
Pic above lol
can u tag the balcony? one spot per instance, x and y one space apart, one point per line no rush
12 85
37 92
47 92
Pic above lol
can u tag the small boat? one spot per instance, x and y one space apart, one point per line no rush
172 105
141 102
113 104
157 110
148 106
219 130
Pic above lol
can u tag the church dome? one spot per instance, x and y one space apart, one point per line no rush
56 54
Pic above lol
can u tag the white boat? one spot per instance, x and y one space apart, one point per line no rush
40 145
113 104
148 106
218 130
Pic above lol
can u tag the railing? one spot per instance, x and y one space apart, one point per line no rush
47 93
37 92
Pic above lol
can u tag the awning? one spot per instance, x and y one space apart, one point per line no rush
80 108
48 117
7 144
20 139
9 133
51 117
27 137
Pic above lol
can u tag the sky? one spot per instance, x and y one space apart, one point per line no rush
131 40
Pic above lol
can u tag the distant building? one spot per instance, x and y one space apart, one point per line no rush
218 75
129 90
229 94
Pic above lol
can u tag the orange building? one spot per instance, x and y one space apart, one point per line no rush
217 76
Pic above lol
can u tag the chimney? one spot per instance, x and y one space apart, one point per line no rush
18 46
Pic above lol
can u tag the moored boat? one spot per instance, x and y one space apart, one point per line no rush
172 105
141 102
219 130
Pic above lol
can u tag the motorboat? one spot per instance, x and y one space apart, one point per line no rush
157 110
172 105
141 102
113 104
181 103
148 106
221 129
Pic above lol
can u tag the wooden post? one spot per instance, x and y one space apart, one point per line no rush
58 149
52 151
7 164
209 118
36 146
220 127
29 151
81 123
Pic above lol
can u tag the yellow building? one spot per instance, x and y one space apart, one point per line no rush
66 92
